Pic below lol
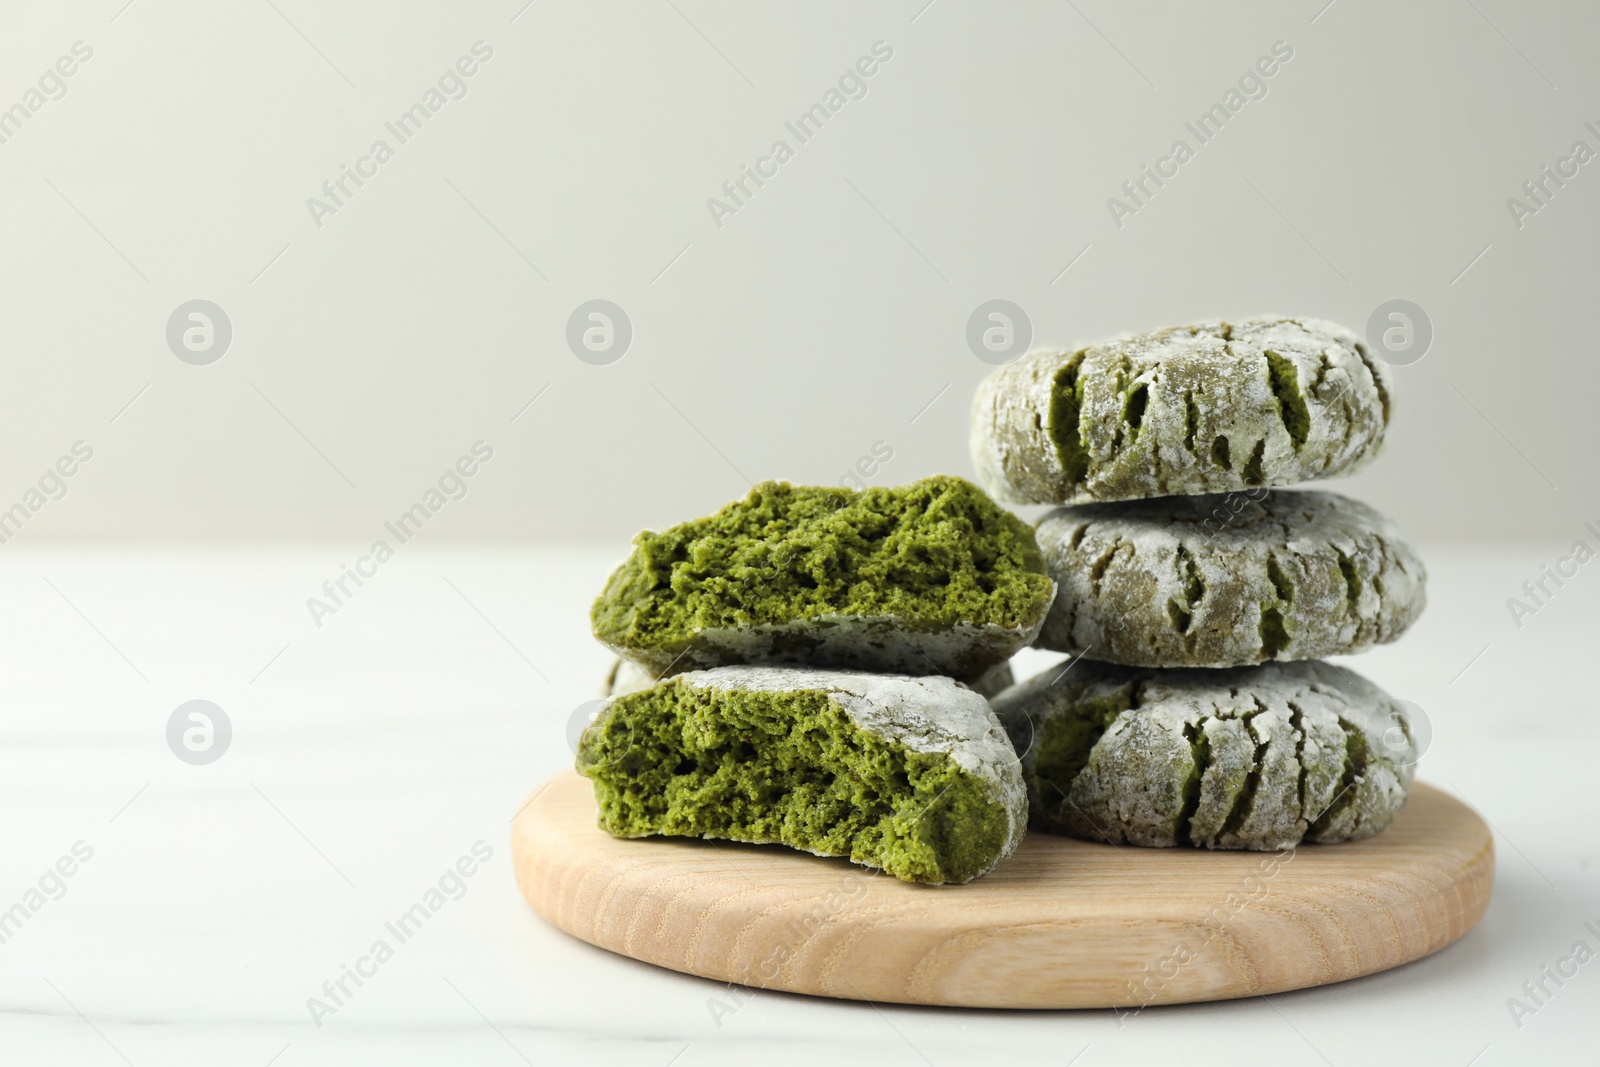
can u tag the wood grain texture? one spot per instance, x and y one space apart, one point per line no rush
1062 924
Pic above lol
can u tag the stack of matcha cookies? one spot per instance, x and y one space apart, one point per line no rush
1194 596
796 670
814 667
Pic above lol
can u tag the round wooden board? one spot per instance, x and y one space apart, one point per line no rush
1062 924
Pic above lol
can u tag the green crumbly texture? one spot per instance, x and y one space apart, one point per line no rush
791 769
931 554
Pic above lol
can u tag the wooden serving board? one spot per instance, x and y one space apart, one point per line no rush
1062 924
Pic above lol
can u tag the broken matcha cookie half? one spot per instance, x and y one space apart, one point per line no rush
927 578
1213 408
1224 581
1250 758
913 775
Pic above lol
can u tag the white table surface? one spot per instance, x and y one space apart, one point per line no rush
374 751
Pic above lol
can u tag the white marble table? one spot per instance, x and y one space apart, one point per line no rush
370 754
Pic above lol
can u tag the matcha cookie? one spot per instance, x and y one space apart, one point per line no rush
911 775
1213 408
927 578
1224 581
1254 757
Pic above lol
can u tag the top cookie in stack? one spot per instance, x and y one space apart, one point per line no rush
1215 408
1166 575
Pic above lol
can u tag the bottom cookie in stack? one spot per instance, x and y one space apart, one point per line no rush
1244 758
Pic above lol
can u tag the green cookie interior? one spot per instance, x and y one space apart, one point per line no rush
931 554
788 768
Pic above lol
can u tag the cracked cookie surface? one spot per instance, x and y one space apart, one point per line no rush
1250 758
1227 580
1216 407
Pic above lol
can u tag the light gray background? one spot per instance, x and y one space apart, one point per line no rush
823 317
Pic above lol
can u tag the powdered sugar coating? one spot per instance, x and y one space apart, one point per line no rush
626 676
1254 758
1225 581
875 642
1185 410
